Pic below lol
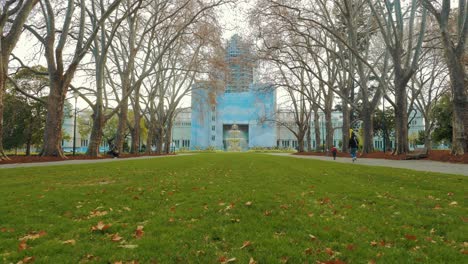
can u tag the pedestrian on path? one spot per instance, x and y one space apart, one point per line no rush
353 145
334 151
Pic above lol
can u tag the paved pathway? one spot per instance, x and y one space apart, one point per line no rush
73 162
418 165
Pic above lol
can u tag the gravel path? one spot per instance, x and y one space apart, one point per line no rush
75 162
418 165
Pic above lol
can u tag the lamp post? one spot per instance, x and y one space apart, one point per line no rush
75 95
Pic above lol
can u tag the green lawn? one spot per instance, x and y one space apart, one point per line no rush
209 208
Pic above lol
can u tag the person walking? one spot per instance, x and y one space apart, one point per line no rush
353 145
334 151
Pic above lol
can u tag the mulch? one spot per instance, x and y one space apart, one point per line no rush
435 155
34 158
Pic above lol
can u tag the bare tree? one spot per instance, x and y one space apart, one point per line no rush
453 33
397 27
13 15
57 53
429 83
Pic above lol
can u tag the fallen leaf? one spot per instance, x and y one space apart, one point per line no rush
308 251
69 242
252 261
116 237
450 194
350 247
437 207
246 244
22 245
97 213
26 260
454 203
284 260
128 246
33 235
373 243
410 237
139 232
329 251
101 226
312 237
224 260
325 200
249 203
267 213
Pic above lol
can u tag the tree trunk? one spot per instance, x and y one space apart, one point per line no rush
3 77
401 115
96 134
328 130
149 140
159 140
122 126
300 141
427 140
135 146
368 136
168 136
346 126
28 148
309 138
317 130
53 127
459 86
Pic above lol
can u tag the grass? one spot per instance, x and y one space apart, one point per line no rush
203 208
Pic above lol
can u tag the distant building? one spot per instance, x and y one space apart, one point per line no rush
242 103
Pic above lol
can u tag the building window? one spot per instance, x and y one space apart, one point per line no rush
213 128
213 138
84 142
176 143
186 143
213 118
294 144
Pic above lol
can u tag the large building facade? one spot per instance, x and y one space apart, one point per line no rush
241 105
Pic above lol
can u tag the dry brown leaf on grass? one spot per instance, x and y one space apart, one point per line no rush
246 244
97 213
33 235
225 260
410 237
100 226
69 242
26 260
252 261
22 245
116 237
139 232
